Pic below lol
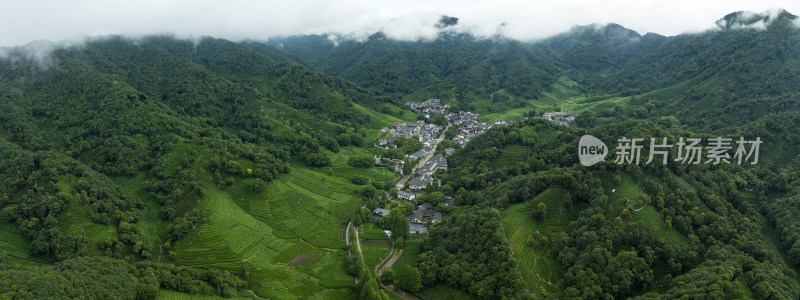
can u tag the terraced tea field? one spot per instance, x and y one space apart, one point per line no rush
539 271
15 247
511 155
302 213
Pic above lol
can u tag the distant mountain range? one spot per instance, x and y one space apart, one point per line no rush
749 56
161 167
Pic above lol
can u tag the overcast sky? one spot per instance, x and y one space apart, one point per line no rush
25 21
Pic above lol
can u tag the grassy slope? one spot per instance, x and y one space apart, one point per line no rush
374 244
173 295
539 271
303 212
15 248
510 156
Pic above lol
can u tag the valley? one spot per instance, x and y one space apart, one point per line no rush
303 168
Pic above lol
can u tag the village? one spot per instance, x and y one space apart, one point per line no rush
427 163
560 118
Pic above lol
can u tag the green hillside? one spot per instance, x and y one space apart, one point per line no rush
163 168
209 157
575 231
706 80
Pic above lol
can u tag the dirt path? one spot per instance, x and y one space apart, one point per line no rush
380 266
347 234
358 245
349 249
388 262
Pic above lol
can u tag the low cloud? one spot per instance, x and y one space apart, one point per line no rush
37 52
24 21
751 20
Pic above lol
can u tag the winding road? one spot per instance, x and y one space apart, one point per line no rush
388 262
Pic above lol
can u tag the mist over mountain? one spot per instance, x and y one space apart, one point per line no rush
748 50
157 166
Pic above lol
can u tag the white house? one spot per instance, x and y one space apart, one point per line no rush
406 195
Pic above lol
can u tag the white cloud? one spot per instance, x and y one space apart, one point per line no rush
25 21
37 51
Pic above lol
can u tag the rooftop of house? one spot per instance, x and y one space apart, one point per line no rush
439 159
421 212
418 154
437 217
425 206
404 194
418 215
419 181
381 211
414 228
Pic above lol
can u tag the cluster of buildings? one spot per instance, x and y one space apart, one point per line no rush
418 219
426 133
429 107
469 120
397 164
425 213
560 118
423 176
462 117
471 127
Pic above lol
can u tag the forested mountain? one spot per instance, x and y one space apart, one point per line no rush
749 58
649 231
117 148
163 167
457 65
663 240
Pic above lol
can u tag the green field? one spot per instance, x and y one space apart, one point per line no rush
410 253
15 247
510 156
173 295
375 252
627 193
374 243
74 221
539 271
292 235
343 293
371 231
652 218
514 114
380 118
342 169
150 226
